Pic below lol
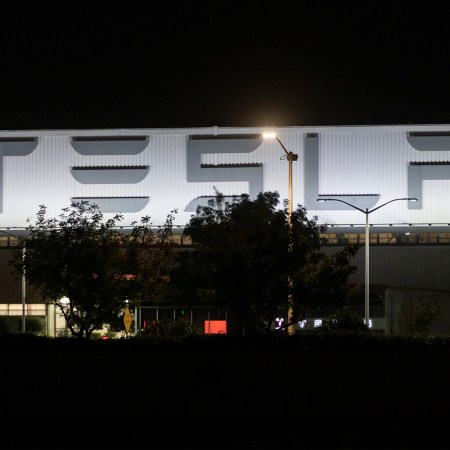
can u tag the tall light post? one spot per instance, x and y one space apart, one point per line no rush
366 244
291 157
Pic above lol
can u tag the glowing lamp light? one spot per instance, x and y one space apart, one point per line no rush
64 301
269 135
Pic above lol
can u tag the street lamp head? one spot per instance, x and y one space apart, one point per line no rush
289 155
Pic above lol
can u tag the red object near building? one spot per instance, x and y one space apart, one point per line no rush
215 327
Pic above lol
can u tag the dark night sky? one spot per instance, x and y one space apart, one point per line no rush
192 63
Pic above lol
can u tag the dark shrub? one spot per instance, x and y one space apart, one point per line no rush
344 320
180 327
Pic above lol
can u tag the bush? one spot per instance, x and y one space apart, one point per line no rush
13 324
35 325
344 320
417 315
180 327
7 325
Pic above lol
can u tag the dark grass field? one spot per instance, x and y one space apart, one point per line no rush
225 392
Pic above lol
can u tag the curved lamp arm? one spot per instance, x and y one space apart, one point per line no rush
410 199
282 146
342 201
366 211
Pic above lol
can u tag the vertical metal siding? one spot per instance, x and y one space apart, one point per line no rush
415 266
352 160
371 162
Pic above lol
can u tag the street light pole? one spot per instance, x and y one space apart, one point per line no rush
366 245
366 272
24 296
291 157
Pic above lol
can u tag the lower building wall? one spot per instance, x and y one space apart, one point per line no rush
54 323
412 266
406 311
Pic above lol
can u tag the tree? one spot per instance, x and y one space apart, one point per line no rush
240 260
417 315
322 283
93 264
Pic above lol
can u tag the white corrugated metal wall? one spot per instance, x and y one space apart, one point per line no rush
375 161
352 160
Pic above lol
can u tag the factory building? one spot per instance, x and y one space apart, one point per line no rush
140 172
